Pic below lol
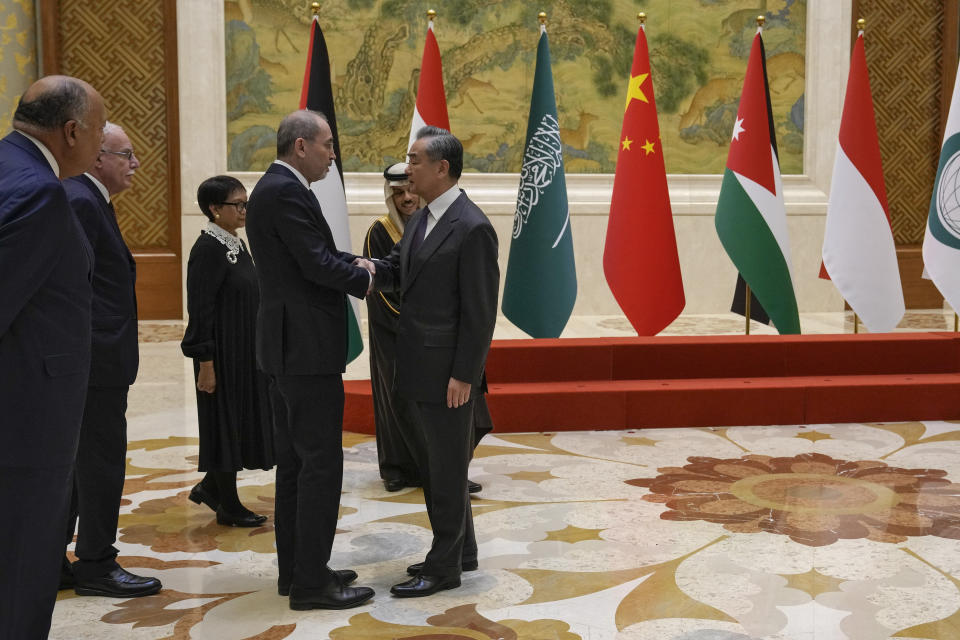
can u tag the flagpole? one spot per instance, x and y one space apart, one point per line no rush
955 321
856 322
746 306
431 15
315 7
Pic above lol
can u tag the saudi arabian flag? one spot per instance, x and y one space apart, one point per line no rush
751 216
541 283
941 242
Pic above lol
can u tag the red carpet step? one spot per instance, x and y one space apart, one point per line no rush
699 381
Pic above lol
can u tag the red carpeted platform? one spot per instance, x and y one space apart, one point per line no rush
697 381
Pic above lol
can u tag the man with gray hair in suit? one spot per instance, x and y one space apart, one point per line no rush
445 270
45 291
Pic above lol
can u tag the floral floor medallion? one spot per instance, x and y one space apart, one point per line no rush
812 498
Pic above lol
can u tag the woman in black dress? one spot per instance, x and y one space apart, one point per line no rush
233 406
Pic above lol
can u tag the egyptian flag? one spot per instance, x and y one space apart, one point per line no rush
431 106
317 95
751 218
640 258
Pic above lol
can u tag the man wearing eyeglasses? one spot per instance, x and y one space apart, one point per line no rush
101 455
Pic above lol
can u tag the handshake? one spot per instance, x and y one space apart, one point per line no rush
369 266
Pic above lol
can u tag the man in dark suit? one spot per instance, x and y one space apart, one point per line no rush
44 340
114 358
302 344
445 268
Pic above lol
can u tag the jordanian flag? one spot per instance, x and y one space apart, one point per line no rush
751 217
318 96
541 283
941 242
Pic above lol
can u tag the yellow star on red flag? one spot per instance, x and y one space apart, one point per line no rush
634 92
648 147
625 145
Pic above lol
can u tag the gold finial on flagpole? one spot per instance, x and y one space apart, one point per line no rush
861 23
431 15
760 21
315 7
642 17
542 17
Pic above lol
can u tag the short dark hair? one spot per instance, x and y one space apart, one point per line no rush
50 110
443 146
297 125
216 190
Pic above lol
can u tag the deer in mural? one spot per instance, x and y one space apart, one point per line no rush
717 90
469 85
578 138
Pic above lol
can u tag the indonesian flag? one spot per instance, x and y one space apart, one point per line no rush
858 250
317 95
640 257
431 107
751 216
941 242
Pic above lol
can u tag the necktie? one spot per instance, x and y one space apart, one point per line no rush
419 233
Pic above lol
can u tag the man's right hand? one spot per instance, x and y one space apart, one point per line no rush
366 264
206 378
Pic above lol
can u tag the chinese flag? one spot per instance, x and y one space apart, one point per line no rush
640 258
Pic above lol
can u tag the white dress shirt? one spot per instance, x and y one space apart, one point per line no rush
46 152
99 185
439 206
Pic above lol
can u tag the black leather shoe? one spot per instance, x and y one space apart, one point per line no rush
201 496
474 487
345 576
119 583
467 565
393 485
333 597
420 586
67 581
248 519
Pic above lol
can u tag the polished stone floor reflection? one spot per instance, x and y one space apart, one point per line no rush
806 532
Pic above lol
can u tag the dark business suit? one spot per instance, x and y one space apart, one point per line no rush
101 455
302 344
44 362
448 288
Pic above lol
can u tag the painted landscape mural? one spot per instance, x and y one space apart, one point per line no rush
699 51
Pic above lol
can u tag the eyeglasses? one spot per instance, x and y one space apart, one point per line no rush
128 154
241 205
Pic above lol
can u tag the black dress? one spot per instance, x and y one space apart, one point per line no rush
236 429
383 313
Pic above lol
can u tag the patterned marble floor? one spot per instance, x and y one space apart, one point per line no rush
807 532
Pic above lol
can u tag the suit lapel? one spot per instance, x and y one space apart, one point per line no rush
311 198
438 235
110 215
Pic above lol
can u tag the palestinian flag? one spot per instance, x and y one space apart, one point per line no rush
317 95
751 216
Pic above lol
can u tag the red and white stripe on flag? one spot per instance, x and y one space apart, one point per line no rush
431 106
858 248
